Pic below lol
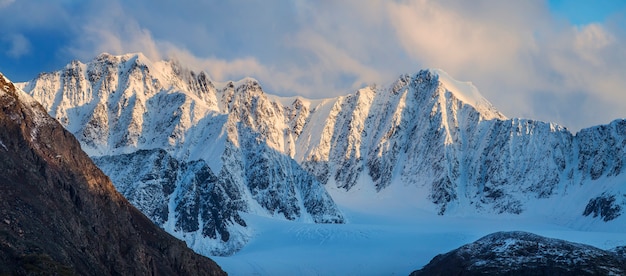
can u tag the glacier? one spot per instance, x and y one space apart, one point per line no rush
202 158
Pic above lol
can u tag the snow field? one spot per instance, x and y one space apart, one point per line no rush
374 244
393 232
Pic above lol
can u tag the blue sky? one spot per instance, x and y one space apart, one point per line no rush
560 61
583 12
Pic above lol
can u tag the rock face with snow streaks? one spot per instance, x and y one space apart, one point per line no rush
272 156
185 198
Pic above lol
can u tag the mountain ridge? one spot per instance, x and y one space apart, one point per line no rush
116 106
451 149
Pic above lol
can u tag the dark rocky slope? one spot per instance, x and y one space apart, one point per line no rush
521 253
60 215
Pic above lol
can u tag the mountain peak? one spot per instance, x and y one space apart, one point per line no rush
243 84
465 92
127 56
127 62
6 84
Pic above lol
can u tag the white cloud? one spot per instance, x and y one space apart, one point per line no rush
332 60
18 45
113 31
222 70
5 3
591 39
441 36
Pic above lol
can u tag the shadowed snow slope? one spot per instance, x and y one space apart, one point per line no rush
426 142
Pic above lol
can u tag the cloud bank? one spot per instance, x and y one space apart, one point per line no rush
522 57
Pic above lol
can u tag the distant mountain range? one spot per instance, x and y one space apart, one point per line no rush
60 215
194 154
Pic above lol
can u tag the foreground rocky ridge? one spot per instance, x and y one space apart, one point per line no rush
426 131
60 215
522 253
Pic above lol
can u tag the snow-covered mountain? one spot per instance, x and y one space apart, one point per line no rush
192 153
188 155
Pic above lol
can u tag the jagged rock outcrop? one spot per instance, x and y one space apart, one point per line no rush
522 253
606 206
203 205
60 215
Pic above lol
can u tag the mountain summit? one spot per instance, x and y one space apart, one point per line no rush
194 155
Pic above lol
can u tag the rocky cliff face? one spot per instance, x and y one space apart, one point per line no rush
521 253
200 202
59 214
436 136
